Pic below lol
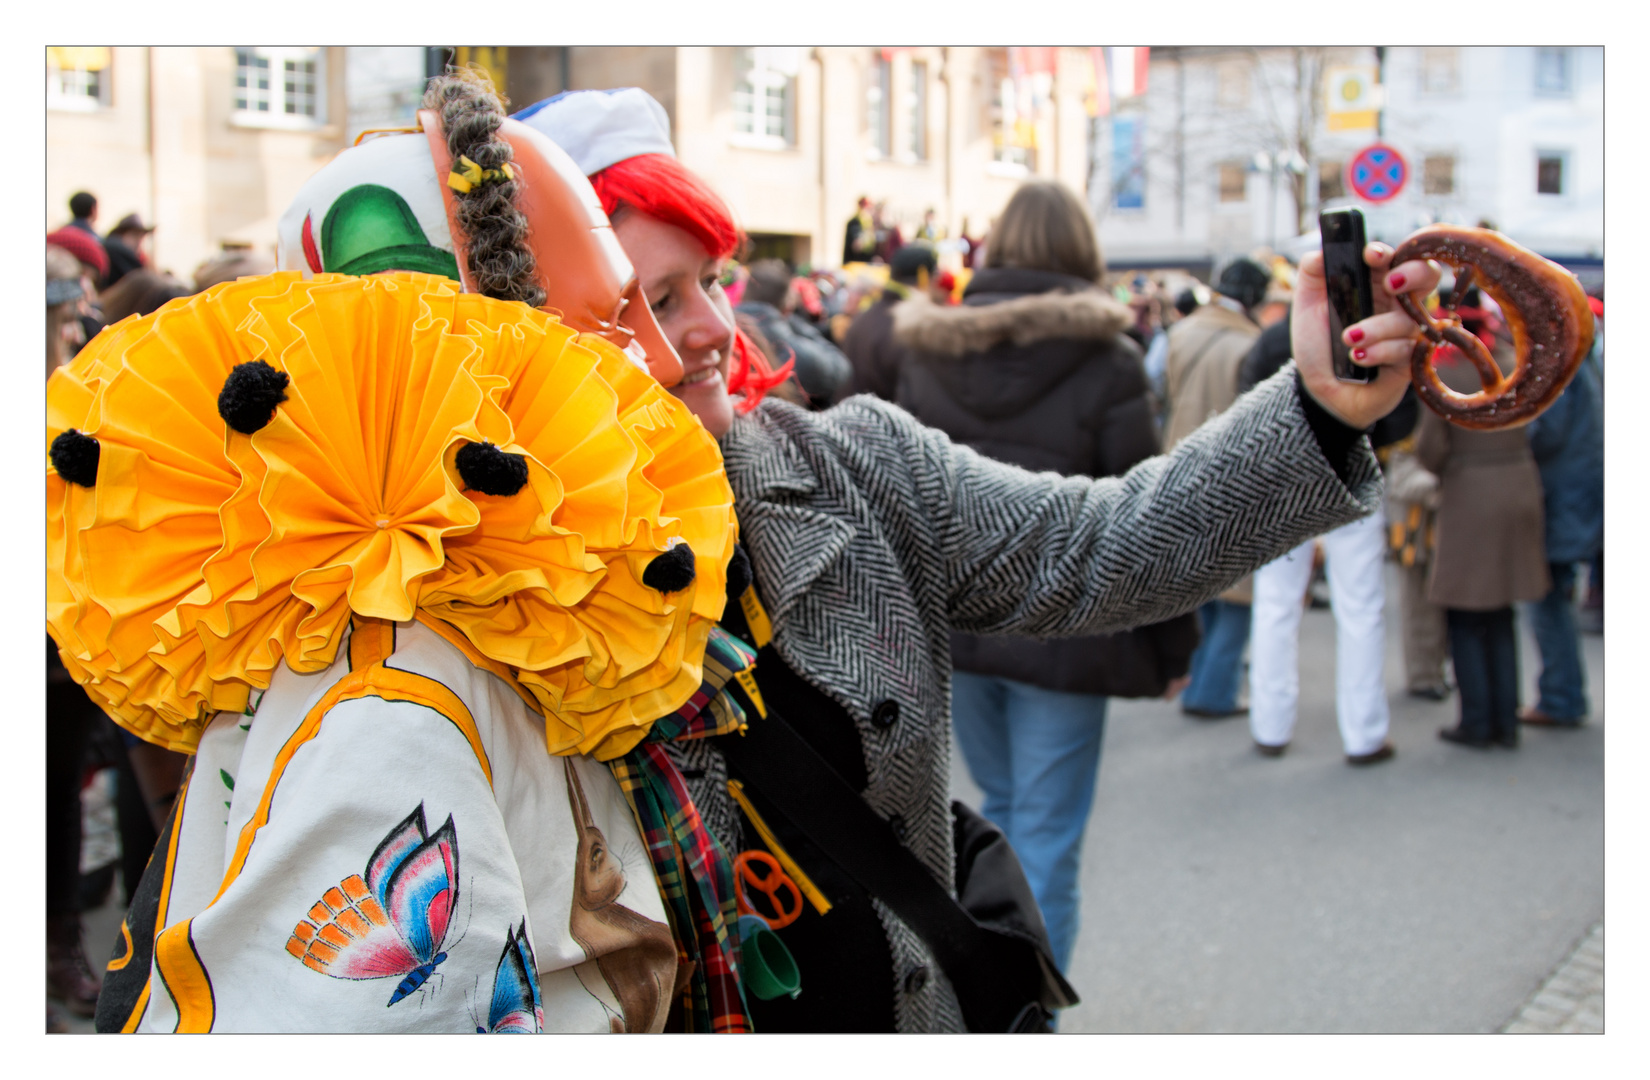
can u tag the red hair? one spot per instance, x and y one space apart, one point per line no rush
664 189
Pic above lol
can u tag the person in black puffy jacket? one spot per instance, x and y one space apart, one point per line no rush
770 299
1034 368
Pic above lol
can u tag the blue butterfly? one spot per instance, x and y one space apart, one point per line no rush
516 1007
392 920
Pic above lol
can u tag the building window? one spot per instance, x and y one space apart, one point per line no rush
1552 71
878 101
1232 86
916 111
1438 174
77 77
1331 182
764 96
1440 71
280 86
1549 173
1013 127
1234 182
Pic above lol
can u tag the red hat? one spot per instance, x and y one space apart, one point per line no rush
1596 305
82 245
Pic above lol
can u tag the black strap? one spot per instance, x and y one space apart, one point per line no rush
997 978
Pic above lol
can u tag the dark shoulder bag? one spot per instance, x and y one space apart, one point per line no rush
990 941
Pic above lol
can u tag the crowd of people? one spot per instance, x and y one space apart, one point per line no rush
980 486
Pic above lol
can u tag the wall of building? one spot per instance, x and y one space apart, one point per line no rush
209 176
1493 122
105 151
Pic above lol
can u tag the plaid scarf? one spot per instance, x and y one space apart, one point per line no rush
694 872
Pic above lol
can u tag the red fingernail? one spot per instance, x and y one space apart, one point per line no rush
1355 334
1396 281
1358 354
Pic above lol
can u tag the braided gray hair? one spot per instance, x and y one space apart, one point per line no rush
500 264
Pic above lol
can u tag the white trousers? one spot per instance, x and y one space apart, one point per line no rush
1353 557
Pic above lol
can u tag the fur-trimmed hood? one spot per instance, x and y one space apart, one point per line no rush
1017 337
992 318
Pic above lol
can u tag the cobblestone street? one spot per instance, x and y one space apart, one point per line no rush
1571 1002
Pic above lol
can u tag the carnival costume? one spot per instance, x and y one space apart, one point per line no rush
409 571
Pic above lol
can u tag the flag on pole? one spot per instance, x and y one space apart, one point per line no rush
1128 64
1097 92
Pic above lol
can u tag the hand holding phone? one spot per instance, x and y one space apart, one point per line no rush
1347 279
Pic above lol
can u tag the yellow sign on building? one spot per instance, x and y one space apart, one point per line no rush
1354 98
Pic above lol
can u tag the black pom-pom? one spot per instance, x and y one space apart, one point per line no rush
74 456
250 394
739 573
671 572
489 470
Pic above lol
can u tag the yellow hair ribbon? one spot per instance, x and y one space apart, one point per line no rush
469 174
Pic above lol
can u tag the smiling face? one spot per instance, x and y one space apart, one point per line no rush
681 282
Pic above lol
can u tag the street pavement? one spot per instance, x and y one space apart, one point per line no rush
1446 890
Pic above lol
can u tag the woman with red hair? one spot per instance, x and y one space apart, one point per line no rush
871 537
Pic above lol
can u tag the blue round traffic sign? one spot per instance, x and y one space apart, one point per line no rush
1377 173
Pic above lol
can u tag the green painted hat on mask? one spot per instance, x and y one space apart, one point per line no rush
370 228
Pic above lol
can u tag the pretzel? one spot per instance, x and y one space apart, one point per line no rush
1552 327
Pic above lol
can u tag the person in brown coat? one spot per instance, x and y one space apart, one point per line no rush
1490 554
1206 350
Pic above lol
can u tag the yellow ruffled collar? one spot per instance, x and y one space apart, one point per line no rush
202 556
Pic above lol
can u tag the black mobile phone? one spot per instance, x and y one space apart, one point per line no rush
1347 275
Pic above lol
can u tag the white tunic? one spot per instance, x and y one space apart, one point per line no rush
363 851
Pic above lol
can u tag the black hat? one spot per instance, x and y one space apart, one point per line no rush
1245 281
909 259
132 223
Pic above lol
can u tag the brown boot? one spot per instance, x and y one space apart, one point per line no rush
68 977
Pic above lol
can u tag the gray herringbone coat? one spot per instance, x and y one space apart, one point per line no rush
873 536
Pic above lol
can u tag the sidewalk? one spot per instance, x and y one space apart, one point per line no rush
1571 1001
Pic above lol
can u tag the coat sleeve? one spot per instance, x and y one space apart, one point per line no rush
1035 553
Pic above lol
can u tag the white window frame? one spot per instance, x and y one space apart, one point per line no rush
916 112
879 108
1565 177
1339 172
277 116
1220 183
1429 55
1564 53
56 99
1234 85
757 74
1006 158
1454 174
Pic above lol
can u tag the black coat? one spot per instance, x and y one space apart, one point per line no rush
871 350
123 259
1034 369
821 369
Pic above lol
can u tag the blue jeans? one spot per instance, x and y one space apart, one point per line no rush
1035 753
1563 681
1483 649
1217 663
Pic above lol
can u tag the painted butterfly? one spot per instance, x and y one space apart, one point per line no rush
391 921
516 1007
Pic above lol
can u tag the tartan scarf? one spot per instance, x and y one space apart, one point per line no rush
694 872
